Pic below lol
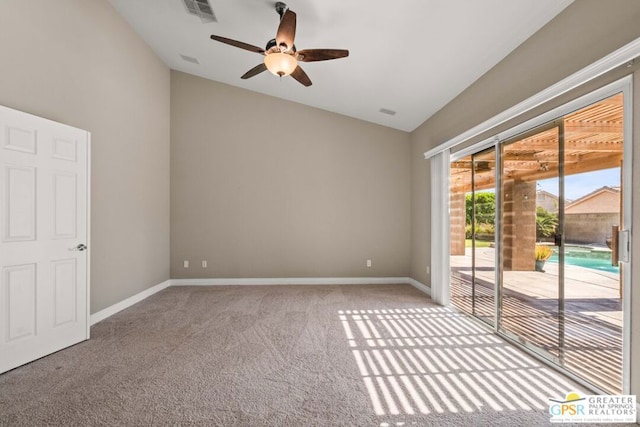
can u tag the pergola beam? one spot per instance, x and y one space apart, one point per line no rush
593 141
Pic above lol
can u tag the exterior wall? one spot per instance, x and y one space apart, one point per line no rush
547 201
78 62
589 227
603 202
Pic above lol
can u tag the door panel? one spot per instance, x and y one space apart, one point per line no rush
65 290
530 291
65 205
460 260
472 244
43 215
20 308
593 315
20 201
20 137
483 239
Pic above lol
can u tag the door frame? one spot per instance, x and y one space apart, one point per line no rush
88 335
624 86
496 282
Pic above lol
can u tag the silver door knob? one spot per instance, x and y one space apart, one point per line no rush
81 247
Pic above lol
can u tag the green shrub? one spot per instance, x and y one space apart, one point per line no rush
546 223
485 229
481 229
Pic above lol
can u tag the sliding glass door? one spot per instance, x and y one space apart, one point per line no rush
534 226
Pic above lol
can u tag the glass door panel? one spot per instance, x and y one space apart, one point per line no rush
530 291
593 154
461 233
472 213
483 211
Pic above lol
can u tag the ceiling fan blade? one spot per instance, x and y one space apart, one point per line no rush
311 55
254 71
286 30
301 76
236 43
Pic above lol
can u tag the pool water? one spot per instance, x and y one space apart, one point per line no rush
588 257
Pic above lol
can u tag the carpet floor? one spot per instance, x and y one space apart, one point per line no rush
359 355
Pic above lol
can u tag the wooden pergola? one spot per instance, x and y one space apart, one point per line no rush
593 141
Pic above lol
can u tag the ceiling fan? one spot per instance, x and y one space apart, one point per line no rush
280 54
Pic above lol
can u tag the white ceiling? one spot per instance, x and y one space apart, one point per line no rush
410 56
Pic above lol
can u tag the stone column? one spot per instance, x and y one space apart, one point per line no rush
457 212
519 225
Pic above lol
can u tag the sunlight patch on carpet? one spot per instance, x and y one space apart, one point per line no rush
435 360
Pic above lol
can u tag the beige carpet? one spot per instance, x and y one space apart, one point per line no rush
284 356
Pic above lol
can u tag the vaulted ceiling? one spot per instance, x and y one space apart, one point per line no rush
410 57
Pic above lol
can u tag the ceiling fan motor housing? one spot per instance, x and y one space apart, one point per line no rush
281 8
271 44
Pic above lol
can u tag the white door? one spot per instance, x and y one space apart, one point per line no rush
44 286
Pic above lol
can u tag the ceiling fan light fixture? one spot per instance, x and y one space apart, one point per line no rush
280 64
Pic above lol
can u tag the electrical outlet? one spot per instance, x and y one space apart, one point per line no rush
368 263
185 263
428 270
204 263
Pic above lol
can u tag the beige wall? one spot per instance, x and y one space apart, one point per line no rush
263 187
585 32
79 63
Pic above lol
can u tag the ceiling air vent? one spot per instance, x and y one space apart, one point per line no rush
387 111
189 59
202 8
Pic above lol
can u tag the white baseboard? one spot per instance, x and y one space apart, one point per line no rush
419 286
110 311
292 281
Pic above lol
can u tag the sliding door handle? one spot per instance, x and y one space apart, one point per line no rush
624 246
557 240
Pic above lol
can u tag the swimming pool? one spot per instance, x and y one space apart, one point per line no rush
586 256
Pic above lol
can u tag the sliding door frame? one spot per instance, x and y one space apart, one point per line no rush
557 123
624 86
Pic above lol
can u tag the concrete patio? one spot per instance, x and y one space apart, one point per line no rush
588 341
